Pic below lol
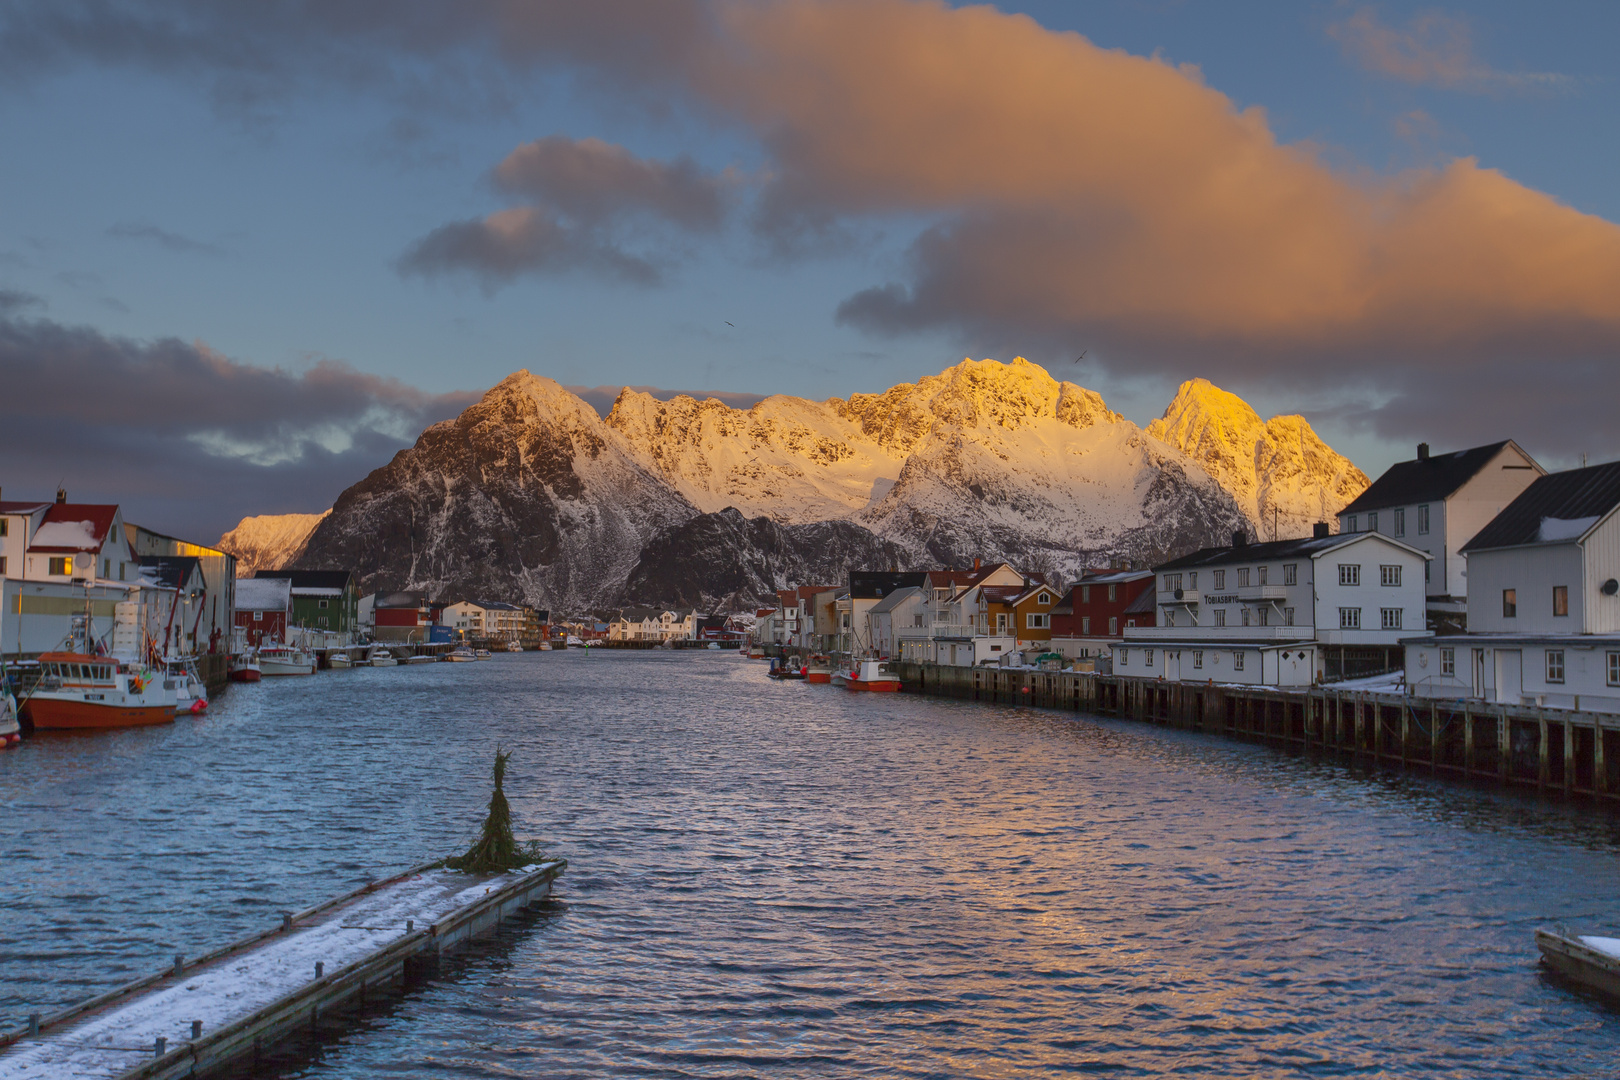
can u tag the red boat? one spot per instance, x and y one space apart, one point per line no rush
244 668
80 691
868 675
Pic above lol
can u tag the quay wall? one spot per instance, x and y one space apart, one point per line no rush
1551 750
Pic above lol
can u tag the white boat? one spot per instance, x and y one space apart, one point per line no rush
285 660
461 655
381 657
512 646
481 654
339 660
545 646
421 658
10 727
574 642
191 696
868 674
714 645
1587 959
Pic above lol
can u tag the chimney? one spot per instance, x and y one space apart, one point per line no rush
975 564
61 496
1319 531
1240 538
1423 451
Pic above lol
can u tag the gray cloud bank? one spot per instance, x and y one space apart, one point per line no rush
190 441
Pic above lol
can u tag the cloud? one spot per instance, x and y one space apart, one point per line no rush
589 196
187 439
15 300
163 238
1433 49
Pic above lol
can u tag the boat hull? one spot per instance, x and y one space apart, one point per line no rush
284 667
251 674
60 714
1576 961
818 676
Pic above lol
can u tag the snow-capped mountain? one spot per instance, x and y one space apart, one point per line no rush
1283 476
269 541
530 494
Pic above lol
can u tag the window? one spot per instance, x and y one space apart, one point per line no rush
1113 626
1349 618
62 565
106 568
121 568
1129 623
258 616
1423 520
1192 580
1220 579
1389 618
1288 616
1510 603
1085 624
1263 570
1113 592
916 620
1172 582
1243 578
1124 657
1372 521
1614 668
1147 657
1033 621
2 566
1448 662
1265 616
1290 573
4 525
1085 594
1425 571
1044 598
1001 622
1349 574
1389 575
1400 523
1245 615
1555 665
1198 658
1169 617
322 604
1237 661
1560 599
1220 616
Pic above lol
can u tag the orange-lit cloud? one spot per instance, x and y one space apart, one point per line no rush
1434 49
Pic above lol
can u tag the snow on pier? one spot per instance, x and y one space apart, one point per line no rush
227 1004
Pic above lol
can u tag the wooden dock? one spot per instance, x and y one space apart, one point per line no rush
1551 750
203 1014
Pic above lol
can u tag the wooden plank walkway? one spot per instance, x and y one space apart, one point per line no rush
228 1004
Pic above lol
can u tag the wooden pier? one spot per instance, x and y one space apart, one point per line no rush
1551 750
204 1014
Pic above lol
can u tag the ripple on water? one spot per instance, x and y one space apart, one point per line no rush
795 881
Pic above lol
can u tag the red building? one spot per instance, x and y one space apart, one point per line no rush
1095 613
262 605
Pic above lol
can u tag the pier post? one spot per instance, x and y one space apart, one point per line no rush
1338 720
1434 737
1504 745
1544 773
1468 740
1569 753
1406 730
1355 708
1377 729
1600 768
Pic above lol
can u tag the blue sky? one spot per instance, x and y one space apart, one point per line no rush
152 196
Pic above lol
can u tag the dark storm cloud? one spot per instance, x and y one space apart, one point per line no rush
189 440
163 238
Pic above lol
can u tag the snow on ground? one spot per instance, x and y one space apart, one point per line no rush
1393 682
109 1043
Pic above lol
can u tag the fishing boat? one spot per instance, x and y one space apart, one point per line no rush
190 694
868 674
285 660
339 660
10 726
420 658
756 653
244 667
381 657
715 645
461 654
1587 959
574 642
76 690
513 646
819 670
481 654
787 667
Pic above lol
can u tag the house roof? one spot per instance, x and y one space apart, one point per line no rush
1273 549
25 507
896 598
311 579
388 600
1428 479
171 571
1001 594
1113 577
1558 507
1146 603
263 594
73 527
874 584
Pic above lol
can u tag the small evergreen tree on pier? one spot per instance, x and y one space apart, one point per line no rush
496 849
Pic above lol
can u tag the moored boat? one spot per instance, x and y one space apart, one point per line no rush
285 660
1587 959
191 696
10 726
339 660
481 654
819 670
244 667
545 646
461 654
381 657
88 692
787 667
513 646
421 658
868 674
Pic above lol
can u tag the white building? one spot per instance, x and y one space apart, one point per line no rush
1543 602
961 628
654 624
1437 503
1284 613
484 619
899 624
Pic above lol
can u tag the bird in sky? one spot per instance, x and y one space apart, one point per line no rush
732 325
1082 355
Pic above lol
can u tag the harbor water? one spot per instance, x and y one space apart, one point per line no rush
792 880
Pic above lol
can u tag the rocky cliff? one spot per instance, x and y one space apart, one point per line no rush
269 541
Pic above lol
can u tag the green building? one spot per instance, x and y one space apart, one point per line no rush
326 600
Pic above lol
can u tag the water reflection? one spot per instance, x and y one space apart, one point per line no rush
793 880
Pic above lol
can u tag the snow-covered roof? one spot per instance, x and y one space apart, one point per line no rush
70 527
263 594
895 599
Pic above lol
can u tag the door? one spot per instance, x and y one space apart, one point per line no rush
1479 673
1509 676
1001 624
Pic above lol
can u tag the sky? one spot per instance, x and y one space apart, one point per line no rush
249 248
